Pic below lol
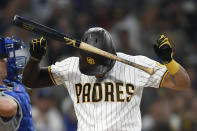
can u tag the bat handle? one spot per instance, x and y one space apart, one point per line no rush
144 68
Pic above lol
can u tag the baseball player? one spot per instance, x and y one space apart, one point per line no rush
106 94
15 109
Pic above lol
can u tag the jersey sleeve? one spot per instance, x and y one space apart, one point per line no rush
155 80
59 72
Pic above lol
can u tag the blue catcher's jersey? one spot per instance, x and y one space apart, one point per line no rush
22 121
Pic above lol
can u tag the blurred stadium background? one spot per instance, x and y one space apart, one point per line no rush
135 26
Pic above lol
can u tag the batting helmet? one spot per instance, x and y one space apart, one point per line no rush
93 64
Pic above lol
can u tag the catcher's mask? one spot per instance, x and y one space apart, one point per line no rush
93 64
10 48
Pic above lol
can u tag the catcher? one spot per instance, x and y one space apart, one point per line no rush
15 108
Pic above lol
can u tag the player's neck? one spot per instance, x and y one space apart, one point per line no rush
100 76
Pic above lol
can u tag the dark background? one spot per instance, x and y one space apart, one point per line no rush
135 26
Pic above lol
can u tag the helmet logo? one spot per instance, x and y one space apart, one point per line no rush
90 60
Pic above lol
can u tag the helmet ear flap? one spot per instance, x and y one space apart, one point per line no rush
99 38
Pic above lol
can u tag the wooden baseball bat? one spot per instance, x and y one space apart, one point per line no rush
48 32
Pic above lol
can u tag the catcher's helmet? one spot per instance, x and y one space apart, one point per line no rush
93 64
10 48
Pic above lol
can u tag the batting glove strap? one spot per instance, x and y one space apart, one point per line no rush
173 67
38 48
163 49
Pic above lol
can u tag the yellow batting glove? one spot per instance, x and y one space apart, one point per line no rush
163 49
38 48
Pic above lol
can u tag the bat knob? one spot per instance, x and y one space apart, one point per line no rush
15 19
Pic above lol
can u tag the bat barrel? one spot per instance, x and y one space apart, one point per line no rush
40 29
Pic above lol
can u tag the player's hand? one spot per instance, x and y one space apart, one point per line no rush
163 49
38 48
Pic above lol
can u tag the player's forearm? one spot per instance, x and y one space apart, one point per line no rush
8 107
34 76
178 81
31 73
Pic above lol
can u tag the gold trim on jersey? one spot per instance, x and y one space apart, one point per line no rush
51 76
163 78
159 64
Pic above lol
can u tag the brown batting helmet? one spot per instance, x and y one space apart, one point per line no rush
93 64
